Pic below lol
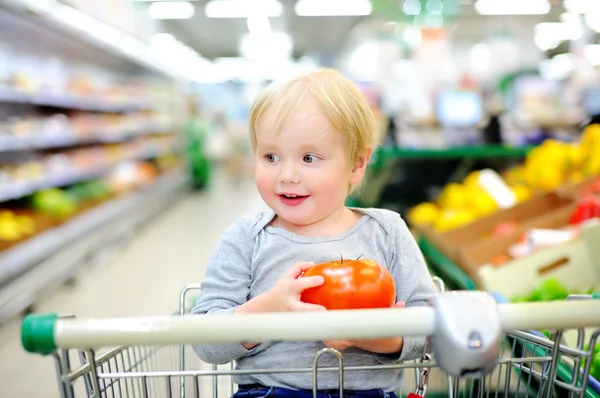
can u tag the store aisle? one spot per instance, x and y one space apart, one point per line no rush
144 278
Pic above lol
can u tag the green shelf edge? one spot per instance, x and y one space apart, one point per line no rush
485 151
443 267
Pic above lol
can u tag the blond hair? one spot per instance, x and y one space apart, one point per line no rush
342 102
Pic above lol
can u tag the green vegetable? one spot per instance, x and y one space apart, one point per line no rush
595 366
519 299
551 289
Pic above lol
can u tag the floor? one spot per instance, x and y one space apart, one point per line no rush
143 278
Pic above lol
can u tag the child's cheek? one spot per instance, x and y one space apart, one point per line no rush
264 182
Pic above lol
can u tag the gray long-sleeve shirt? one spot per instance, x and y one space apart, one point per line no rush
252 256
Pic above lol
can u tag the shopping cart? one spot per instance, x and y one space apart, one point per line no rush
476 347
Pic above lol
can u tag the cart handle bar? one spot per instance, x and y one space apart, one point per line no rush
44 333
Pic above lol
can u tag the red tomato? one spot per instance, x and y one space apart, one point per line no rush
351 284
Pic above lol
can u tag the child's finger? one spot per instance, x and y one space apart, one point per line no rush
299 306
400 304
339 344
297 269
301 284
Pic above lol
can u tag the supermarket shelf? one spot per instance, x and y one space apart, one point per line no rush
385 160
13 144
18 191
70 102
485 151
41 264
91 31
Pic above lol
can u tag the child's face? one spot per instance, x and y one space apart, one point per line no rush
303 171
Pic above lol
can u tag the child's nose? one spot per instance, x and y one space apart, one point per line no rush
289 174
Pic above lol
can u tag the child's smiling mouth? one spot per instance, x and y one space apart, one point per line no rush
292 199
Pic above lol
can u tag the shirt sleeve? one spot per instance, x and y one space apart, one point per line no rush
414 285
225 287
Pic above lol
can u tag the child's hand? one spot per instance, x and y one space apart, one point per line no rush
386 345
285 295
339 345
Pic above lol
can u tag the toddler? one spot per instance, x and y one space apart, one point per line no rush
312 136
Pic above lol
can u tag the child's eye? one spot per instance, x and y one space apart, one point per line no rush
271 158
309 158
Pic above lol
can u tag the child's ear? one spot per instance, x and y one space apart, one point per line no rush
359 168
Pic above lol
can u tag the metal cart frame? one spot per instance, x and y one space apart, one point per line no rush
143 361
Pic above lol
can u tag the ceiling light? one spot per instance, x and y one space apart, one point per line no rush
171 10
243 8
480 56
330 8
581 6
512 7
259 25
278 45
558 30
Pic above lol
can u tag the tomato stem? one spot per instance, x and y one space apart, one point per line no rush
358 258
341 258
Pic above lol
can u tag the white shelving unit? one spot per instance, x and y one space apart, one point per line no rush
43 262
36 267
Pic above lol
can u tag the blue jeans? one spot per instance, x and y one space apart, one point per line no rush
258 391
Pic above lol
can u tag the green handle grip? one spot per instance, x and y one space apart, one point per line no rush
37 333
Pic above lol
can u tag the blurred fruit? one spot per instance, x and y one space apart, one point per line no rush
546 165
9 227
26 224
543 176
591 166
146 172
90 190
481 202
574 156
500 260
423 214
472 179
521 192
454 218
550 289
595 368
519 299
453 196
515 175
590 137
54 202
575 177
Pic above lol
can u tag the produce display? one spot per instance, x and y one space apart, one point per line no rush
52 207
534 239
588 205
595 365
550 289
551 165
56 128
56 164
14 226
60 80
351 284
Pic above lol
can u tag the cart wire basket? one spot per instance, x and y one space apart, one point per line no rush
476 348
